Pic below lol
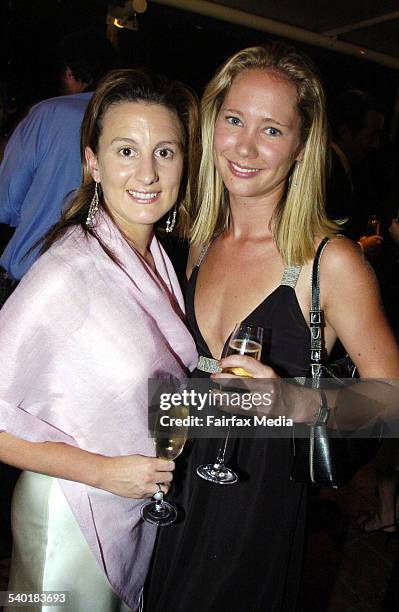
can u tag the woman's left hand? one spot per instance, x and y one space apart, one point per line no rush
243 366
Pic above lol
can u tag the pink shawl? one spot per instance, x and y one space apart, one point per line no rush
78 340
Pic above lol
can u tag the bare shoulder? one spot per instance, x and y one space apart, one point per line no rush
341 250
193 256
343 263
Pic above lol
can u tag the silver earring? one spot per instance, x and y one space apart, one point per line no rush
295 178
171 221
93 208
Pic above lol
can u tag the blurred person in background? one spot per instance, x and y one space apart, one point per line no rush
384 518
361 186
357 123
41 165
82 58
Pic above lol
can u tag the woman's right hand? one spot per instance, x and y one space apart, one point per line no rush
243 365
135 476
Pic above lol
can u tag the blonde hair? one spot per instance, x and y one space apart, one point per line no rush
132 85
300 216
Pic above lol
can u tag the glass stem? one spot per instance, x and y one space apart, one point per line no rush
222 449
159 503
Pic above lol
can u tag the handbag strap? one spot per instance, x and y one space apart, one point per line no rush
316 316
317 336
317 347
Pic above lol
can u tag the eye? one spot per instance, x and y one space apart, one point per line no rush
233 120
126 152
272 131
164 153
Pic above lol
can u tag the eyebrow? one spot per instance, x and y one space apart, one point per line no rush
132 141
265 119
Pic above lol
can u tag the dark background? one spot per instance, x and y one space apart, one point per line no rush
178 43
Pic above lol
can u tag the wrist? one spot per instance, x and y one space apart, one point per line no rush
98 471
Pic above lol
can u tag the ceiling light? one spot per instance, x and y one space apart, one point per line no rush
139 6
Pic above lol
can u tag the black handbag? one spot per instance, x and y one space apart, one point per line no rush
323 457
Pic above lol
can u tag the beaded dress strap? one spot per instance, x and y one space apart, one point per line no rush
290 276
206 364
201 256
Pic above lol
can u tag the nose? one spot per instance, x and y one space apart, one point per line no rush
146 171
246 144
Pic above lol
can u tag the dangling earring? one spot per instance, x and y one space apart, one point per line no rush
295 177
171 221
93 208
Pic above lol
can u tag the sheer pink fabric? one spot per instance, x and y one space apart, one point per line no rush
78 340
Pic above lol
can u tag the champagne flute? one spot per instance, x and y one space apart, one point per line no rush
246 339
170 435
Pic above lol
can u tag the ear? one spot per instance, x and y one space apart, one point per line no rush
92 164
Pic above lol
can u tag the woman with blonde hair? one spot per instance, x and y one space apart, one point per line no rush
98 314
256 227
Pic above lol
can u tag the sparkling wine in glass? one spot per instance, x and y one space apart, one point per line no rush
170 435
246 339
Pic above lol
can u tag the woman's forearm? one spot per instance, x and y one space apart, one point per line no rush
53 459
133 476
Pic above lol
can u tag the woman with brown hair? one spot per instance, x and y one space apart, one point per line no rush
98 314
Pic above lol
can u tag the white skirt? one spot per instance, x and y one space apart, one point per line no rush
50 552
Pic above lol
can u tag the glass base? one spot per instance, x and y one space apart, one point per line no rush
217 473
159 513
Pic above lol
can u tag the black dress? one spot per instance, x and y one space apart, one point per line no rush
239 547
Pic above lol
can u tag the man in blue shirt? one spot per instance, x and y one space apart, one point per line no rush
40 169
41 166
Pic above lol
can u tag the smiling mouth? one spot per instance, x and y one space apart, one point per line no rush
241 171
144 197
